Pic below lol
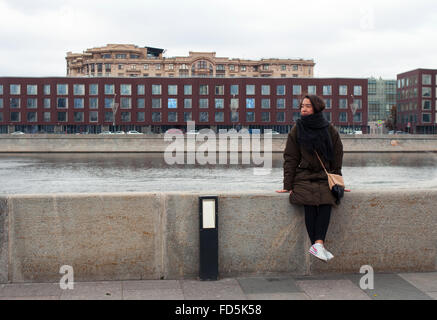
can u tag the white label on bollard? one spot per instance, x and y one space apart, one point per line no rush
208 214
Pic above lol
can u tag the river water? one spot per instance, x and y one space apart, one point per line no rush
139 172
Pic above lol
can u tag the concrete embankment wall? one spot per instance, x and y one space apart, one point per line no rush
156 235
47 143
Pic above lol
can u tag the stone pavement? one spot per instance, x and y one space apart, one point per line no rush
387 286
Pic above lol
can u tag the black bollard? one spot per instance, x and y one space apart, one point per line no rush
208 244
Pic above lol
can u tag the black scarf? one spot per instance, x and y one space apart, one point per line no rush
313 134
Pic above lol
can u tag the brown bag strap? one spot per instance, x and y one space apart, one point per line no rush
321 162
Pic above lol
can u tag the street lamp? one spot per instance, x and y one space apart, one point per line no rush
114 108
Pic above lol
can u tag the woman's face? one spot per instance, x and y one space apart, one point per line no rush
306 108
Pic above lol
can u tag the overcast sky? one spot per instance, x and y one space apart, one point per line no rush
345 38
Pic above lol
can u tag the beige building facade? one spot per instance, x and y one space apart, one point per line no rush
128 60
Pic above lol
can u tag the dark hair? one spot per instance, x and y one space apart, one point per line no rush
317 102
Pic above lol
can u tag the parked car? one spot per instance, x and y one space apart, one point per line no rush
401 132
174 131
17 132
133 132
119 132
358 132
105 132
192 132
391 132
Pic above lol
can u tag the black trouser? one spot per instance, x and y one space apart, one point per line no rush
317 221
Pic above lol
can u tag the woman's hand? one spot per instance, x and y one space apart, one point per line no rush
283 191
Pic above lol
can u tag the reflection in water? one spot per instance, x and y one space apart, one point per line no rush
113 172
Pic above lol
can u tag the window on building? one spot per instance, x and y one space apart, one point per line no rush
342 117
46 89
219 103
1 103
188 103
14 89
93 89
156 89
188 89
296 116
250 116
426 104
280 116
296 103
426 117
250 89
219 116
141 116
327 90
109 116
78 103
328 103
93 116
141 89
342 90
327 116
220 90
120 56
31 117
156 116
265 116
141 103
172 117
1 89
78 116
265 103
280 103
234 116
250 103
14 103
156 103
297 89
234 103
265 90
15 116
342 103
172 89
358 103
125 116
357 117
203 89
109 102
172 103
32 89
188 116
203 116
47 103
426 79
31 103
280 90
426 92
109 89
62 89
125 103
203 103
234 89
62 103
357 90
312 89
126 89
62 116
47 116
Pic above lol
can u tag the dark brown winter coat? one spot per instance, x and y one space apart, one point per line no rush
303 173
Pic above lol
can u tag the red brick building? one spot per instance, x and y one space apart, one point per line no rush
416 101
74 104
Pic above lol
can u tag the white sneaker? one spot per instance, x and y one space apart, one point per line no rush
328 254
318 251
